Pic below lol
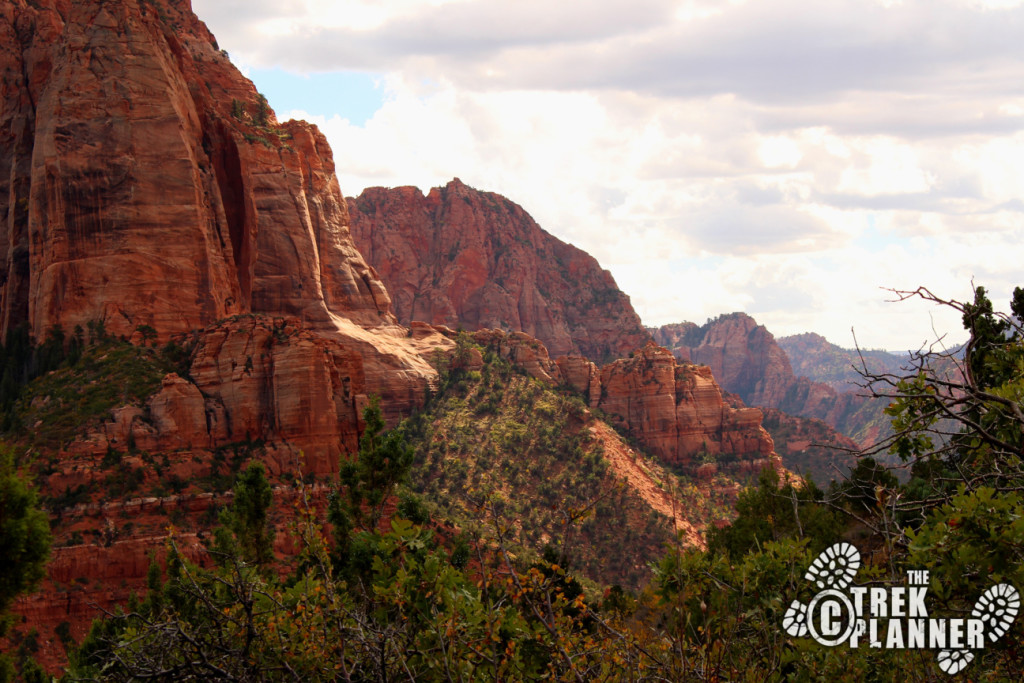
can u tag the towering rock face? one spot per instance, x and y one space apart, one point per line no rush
745 358
461 257
144 181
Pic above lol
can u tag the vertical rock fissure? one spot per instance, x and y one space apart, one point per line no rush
14 286
228 171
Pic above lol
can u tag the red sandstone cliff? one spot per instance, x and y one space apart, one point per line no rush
143 181
462 257
742 355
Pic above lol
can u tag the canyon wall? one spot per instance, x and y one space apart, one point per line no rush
145 182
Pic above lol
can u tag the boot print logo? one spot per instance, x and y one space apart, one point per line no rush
894 617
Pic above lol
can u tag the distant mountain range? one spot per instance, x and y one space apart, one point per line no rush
747 360
814 357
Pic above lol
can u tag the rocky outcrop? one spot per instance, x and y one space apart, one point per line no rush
258 379
745 358
85 579
108 557
675 411
810 447
269 380
742 355
465 258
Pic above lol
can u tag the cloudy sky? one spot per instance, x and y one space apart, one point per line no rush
786 158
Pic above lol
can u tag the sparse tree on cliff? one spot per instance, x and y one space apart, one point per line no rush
24 533
384 460
245 531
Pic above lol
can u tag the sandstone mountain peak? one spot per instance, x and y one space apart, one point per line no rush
463 257
146 185
742 354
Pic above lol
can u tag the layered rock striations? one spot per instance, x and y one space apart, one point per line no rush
742 355
462 257
678 411
257 379
145 182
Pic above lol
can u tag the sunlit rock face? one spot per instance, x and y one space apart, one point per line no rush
144 182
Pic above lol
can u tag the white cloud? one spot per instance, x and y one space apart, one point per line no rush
887 167
786 158
779 151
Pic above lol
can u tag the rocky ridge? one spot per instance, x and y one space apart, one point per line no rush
676 411
465 258
817 359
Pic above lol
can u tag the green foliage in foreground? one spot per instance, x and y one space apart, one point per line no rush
408 610
24 532
244 531
24 549
410 602
769 512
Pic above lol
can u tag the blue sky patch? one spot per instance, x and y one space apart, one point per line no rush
352 95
